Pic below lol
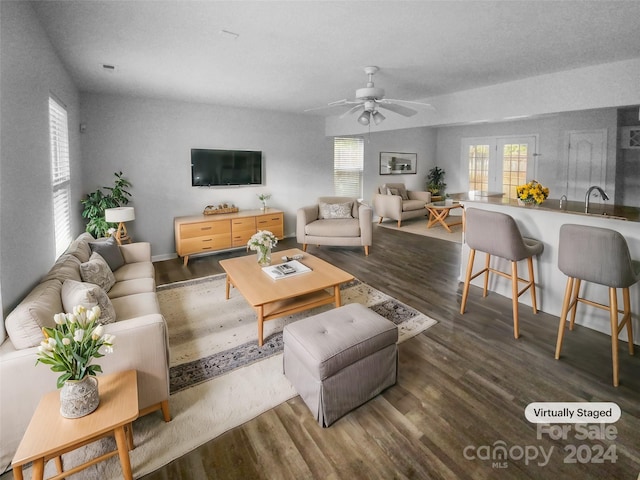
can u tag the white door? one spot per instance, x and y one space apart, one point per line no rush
587 162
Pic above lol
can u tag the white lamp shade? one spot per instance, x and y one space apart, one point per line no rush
119 214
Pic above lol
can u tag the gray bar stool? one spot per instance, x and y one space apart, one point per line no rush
496 233
597 255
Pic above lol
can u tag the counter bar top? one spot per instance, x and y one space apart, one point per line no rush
596 208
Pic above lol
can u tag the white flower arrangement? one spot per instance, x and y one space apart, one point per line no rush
262 240
73 343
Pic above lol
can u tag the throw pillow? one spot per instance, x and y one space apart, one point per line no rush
393 191
402 191
97 271
88 295
110 251
336 210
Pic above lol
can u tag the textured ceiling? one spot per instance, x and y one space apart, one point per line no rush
295 55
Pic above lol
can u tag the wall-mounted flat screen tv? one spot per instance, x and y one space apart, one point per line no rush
217 168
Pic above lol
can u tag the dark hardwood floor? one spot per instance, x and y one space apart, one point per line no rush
462 389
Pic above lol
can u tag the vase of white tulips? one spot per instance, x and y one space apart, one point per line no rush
69 348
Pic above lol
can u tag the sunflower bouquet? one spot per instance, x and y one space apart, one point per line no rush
532 193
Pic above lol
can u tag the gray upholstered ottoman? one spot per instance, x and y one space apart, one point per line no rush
339 359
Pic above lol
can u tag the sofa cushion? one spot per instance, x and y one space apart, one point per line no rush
110 251
133 286
137 305
335 227
409 205
24 324
335 210
79 248
67 266
88 295
130 271
97 271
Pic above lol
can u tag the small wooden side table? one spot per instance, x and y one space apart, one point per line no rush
49 434
439 211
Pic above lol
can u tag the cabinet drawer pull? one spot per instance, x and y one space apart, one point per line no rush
206 228
206 248
208 240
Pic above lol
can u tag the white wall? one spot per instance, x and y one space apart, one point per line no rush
421 141
552 146
29 71
150 141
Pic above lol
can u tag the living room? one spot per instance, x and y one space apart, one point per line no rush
149 138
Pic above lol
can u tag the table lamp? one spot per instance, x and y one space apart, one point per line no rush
120 215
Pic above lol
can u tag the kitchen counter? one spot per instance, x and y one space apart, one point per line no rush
596 208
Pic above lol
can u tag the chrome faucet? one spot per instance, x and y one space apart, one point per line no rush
588 196
563 199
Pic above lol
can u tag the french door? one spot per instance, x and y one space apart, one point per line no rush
499 164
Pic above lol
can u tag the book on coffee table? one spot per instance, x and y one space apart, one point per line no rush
285 270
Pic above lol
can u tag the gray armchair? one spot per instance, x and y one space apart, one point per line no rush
339 221
393 200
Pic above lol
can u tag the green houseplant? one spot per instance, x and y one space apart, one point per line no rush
97 202
435 181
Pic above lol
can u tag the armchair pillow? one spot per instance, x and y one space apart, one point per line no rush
335 210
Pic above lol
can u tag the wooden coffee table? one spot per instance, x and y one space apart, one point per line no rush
439 211
277 298
49 434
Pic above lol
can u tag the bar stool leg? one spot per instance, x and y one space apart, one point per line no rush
467 280
514 297
532 280
563 316
613 310
627 315
574 302
486 274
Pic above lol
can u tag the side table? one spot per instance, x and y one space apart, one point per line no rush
439 211
49 434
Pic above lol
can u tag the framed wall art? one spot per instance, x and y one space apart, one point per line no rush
398 163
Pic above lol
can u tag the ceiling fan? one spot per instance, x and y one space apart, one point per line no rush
371 98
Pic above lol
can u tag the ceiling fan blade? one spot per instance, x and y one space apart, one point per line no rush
422 104
352 110
399 109
337 103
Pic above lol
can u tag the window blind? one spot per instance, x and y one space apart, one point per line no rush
60 175
348 165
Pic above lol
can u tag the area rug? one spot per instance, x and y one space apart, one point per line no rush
418 226
220 379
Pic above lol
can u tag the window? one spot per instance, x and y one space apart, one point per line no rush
514 167
499 164
60 175
479 168
348 165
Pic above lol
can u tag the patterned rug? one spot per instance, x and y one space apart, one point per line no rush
210 336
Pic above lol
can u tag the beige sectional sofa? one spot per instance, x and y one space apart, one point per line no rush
141 333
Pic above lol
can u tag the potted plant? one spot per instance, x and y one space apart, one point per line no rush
97 202
435 181
69 348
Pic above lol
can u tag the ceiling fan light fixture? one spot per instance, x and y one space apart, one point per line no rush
364 118
378 118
